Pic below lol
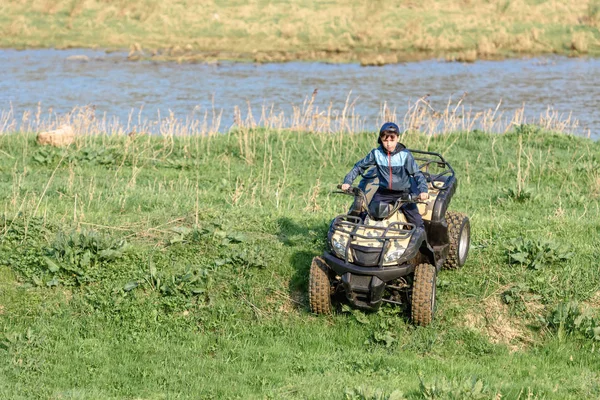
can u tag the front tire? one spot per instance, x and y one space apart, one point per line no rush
459 232
319 287
423 294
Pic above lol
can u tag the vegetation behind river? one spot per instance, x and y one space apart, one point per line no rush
372 32
176 267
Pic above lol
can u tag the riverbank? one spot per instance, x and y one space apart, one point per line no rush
365 32
160 266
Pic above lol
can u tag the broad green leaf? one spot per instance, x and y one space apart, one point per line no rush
220 234
52 266
222 261
478 387
360 317
130 286
176 239
396 395
37 281
109 254
86 259
152 269
237 237
519 257
182 230
52 283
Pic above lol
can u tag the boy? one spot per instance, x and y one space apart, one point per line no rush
395 166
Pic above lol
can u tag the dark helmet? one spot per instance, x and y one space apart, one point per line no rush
389 128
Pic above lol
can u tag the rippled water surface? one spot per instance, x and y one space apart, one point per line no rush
115 86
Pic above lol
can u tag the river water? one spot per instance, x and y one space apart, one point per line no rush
59 80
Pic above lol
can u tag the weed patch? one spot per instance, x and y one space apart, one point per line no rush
453 389
516 195
568 319
520 297
49 156
368 393
75 258
187 282
536 253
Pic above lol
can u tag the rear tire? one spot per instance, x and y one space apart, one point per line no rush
423 294
319 287
459 232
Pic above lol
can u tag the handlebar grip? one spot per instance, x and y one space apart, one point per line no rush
350 189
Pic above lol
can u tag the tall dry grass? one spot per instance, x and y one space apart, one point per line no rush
419 115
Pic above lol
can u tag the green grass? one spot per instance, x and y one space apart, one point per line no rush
96 241
339 31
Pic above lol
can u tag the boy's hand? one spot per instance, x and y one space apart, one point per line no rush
423 196
345 187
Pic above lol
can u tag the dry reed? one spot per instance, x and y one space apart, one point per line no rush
419 115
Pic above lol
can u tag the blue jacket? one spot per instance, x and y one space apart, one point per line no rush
399 164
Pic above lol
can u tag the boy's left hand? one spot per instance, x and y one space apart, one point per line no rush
423 196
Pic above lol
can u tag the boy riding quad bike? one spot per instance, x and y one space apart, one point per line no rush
375 255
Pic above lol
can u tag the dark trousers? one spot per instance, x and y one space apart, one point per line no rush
410 210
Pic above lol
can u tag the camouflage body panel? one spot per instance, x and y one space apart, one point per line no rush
372 238
426 209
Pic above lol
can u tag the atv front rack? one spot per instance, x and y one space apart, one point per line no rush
354 223
350 225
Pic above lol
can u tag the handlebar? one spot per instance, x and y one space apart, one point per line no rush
403 199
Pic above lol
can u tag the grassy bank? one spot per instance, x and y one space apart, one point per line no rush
176 267
264 31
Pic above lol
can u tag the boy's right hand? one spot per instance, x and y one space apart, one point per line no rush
345 187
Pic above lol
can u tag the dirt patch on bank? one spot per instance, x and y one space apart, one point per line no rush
492 318
283 302
594 301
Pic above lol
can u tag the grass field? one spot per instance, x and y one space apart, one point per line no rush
151 267
265 31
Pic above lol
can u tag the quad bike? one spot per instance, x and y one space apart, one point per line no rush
376 256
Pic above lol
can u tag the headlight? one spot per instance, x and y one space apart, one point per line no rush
393 256
338 247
